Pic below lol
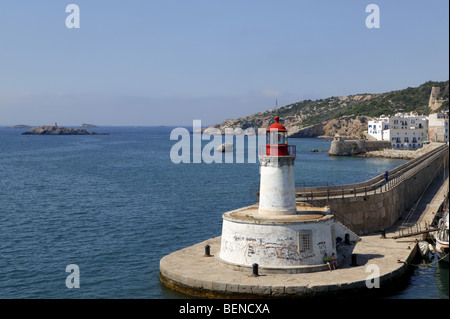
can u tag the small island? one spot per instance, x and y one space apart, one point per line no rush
57 130
88 125
20 126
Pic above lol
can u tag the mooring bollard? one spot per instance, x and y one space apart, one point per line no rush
354 260
207 251
347 239
255 270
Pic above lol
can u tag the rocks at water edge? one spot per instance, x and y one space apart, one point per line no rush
226 147
56 130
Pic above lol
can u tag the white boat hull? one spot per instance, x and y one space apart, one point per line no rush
442 239
442 250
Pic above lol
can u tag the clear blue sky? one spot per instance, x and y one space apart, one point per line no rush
167 62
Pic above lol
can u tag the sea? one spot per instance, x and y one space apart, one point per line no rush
90 217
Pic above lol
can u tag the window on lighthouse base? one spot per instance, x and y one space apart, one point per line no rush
305 241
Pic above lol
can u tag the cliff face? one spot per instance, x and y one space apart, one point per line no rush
305 121
347 126
310 131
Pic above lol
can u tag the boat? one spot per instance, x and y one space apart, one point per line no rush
441 238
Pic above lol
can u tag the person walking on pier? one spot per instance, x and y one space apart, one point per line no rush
386 176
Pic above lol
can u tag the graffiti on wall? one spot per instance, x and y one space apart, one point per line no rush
259 248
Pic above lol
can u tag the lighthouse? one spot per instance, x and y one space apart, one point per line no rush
279 234
277 182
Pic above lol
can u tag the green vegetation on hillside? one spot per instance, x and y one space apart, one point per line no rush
308 112
407 100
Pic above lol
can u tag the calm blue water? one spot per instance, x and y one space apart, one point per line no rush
115 205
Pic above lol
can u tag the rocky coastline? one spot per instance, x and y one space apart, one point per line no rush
345 126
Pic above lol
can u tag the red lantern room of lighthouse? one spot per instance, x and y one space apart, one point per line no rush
277 141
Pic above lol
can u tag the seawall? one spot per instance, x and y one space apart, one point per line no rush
190 272
341 147
374 205
194 272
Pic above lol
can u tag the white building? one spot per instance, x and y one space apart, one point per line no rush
438 127
404 131
378 128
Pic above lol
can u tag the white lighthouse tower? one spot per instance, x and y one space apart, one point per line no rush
277 184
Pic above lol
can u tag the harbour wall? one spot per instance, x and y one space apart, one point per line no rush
341 147
374 205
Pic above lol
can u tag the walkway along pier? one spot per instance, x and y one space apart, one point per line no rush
374 205
378 260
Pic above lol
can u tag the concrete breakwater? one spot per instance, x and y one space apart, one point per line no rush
189 271
369 206
401 154
192 272
340 147
374 205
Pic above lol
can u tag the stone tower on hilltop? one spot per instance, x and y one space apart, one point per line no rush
434 102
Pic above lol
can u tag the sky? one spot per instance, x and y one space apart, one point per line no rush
169 62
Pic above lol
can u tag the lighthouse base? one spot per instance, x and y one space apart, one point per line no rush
188 271
287 243
278 212
276 269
